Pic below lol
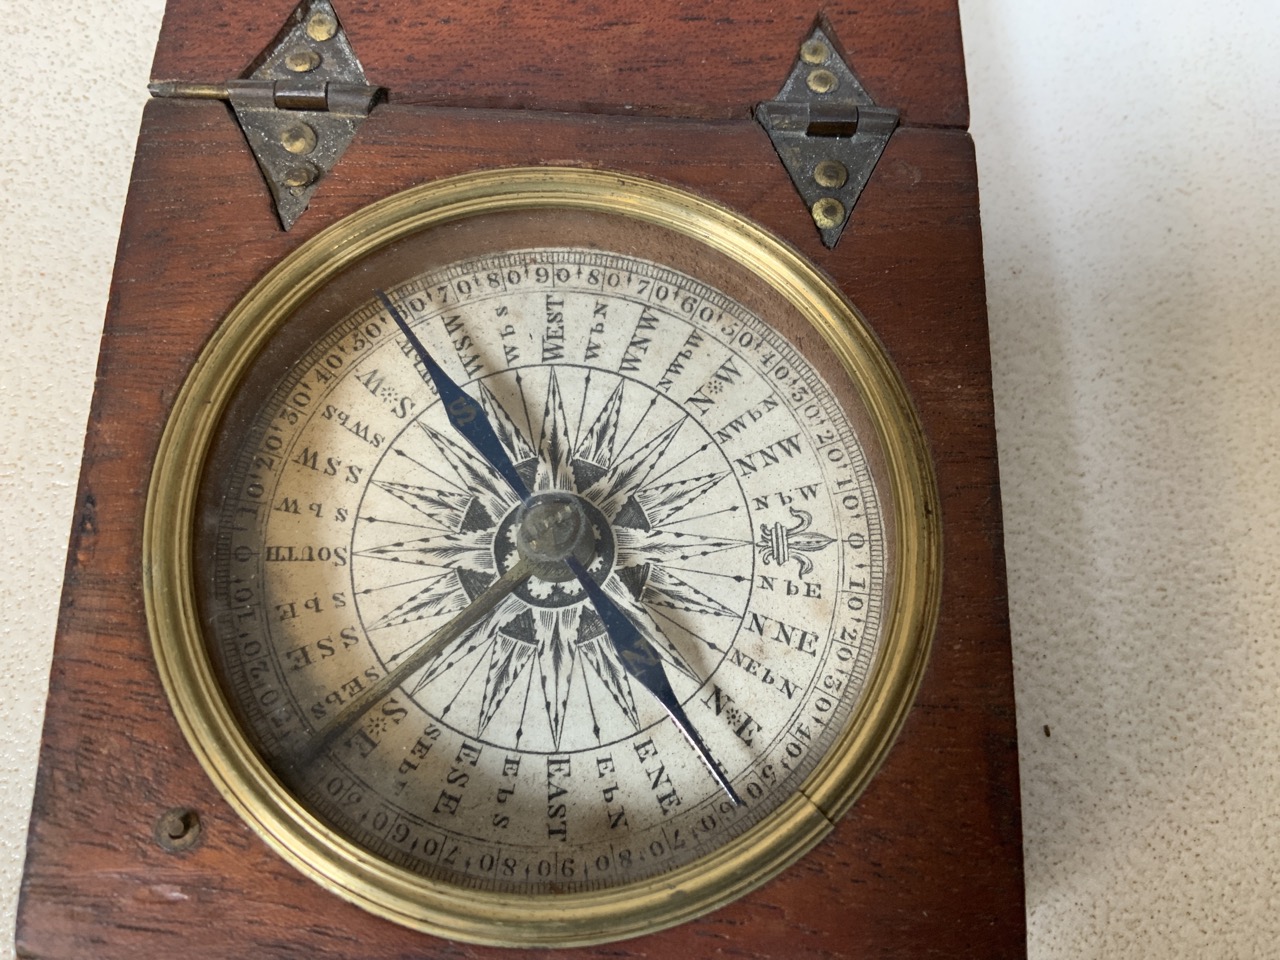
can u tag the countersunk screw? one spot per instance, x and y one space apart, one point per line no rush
822 81
298 138
301 60
299 176
321 26
814 51
827 213
830 173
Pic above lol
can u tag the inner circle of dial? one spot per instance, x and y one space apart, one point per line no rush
645 473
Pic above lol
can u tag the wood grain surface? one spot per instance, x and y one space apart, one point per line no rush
927 864
714 59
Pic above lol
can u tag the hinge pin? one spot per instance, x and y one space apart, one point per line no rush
305 96
828 132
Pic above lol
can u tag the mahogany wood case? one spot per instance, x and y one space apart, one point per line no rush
928 862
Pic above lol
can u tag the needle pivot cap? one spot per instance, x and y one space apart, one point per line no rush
550 528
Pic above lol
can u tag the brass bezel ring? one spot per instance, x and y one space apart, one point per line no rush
508 919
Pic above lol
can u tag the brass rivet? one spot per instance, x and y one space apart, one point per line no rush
321 26
177 829
822 81
830 173
298 138
302 175
301 61
828 212
814 51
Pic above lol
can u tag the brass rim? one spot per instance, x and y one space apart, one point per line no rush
507 919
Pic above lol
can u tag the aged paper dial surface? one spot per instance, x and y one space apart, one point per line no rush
743 493
735 521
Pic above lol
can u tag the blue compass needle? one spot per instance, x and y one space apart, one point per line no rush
637 654
467 416
642 662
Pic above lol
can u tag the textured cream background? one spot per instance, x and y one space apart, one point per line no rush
1127 154
1131 219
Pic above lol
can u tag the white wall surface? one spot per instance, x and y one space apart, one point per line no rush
1127 155
1131 220
69 114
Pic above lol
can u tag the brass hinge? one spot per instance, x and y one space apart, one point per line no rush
299 104
828 132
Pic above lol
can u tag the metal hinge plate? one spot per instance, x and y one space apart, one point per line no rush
299 104
828 132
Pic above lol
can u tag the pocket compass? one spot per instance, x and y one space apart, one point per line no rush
540 491
542 556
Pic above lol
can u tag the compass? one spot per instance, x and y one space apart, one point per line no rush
540 490
542 556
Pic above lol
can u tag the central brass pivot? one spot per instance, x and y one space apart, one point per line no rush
552 527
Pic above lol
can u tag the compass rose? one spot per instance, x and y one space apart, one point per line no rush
670 543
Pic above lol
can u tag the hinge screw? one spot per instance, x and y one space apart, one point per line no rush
321 27
827 213
302 61
302 175
830 173
814 51
298 138
822 81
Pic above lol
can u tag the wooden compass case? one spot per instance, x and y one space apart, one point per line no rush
132 852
